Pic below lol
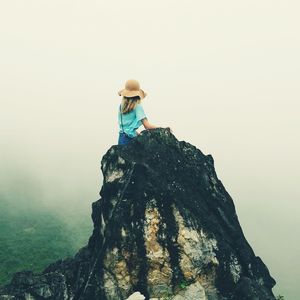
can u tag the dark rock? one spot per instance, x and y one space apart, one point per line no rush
164 226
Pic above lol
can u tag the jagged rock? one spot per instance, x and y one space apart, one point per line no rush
165 227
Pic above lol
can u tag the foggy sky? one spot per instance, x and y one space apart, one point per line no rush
224 75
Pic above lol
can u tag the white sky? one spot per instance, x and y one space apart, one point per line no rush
224 75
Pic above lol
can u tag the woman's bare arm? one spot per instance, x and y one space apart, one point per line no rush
148 125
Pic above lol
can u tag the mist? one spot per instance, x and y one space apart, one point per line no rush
225 76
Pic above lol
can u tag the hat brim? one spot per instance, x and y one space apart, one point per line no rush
127 93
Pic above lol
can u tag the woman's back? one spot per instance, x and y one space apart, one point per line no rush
131 113
129 122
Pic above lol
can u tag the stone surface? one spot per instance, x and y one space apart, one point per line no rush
164 226
136 296
192 292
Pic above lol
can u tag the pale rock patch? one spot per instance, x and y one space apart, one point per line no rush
159 273
136 296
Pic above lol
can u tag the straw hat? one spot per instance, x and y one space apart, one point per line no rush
132 89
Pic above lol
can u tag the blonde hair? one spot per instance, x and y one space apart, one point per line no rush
129 103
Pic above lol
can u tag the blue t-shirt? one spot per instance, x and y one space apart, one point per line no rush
132 120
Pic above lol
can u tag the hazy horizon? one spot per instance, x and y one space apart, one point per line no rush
225 76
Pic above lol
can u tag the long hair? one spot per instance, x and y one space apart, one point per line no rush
129 103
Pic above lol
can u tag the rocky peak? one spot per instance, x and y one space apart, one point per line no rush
164 227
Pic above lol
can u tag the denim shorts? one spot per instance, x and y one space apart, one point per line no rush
124 139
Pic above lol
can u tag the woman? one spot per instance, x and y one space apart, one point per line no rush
131 113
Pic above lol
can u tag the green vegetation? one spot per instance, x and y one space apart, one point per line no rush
32 237
183 285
